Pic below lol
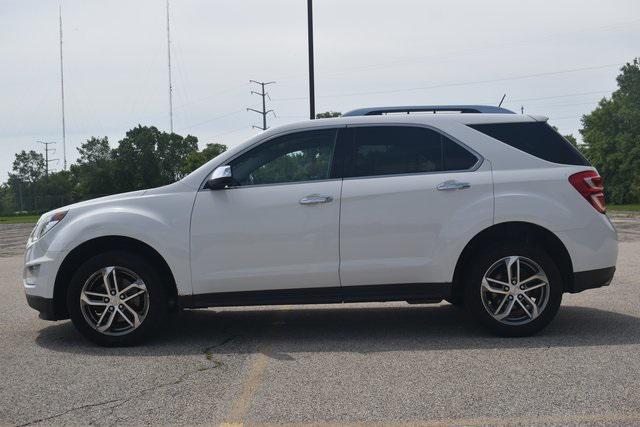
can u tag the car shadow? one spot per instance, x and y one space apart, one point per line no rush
281 332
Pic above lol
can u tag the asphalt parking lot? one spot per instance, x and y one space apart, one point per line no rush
320 365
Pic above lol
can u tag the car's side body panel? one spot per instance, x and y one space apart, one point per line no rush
261 237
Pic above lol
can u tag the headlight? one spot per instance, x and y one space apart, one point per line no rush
45 223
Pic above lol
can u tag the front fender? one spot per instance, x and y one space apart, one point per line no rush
160 221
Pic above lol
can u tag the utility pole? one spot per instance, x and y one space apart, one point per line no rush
264 111
169 66
20 195
46 156
312 96
64 136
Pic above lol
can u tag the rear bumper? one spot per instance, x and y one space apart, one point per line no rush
594 247
591 279
43 305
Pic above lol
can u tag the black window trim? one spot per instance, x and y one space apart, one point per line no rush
473 168
272 137
338 151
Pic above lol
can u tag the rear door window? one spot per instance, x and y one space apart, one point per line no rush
393 150
456 157
538 139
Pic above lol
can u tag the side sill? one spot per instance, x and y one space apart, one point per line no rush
329 295
592 279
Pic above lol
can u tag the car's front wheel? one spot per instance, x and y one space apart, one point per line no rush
514 290
116 299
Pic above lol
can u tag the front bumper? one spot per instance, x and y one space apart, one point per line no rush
592 279
38 279
43 305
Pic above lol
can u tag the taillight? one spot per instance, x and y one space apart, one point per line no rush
589 184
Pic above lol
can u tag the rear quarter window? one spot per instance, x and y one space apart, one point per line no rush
538 139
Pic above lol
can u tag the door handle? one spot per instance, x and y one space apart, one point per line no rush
315 199
452 185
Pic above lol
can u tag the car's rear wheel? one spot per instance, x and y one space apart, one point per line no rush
514 290
116 299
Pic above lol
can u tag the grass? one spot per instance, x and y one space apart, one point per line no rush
628 208
19 219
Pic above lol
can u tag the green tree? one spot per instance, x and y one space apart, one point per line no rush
328 115
57 189
136 162
148 158
572 139
173 151
611 134
196 159
93 172
28 168
94 150
7 200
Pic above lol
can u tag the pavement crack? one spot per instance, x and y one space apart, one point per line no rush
141 393
180 379
75 408
207 351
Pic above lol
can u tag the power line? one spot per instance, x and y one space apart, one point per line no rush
46 155
229 132
573 104
467 83
264 110
458 52
211 120
213 95
566 117
563 96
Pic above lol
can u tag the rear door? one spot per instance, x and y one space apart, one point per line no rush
412 197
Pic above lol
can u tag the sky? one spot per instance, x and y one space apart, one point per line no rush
553 58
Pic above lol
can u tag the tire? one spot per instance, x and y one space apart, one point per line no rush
489 307
128 317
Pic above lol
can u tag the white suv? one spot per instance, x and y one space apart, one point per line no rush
490 210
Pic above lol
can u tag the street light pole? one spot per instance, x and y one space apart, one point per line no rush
312 100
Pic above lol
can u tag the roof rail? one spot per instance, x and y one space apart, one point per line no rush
377 111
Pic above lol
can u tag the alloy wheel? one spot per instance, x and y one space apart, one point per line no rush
515 290
114 300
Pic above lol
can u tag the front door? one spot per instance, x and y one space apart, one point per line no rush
276 227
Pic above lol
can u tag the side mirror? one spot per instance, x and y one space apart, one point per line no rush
220 178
